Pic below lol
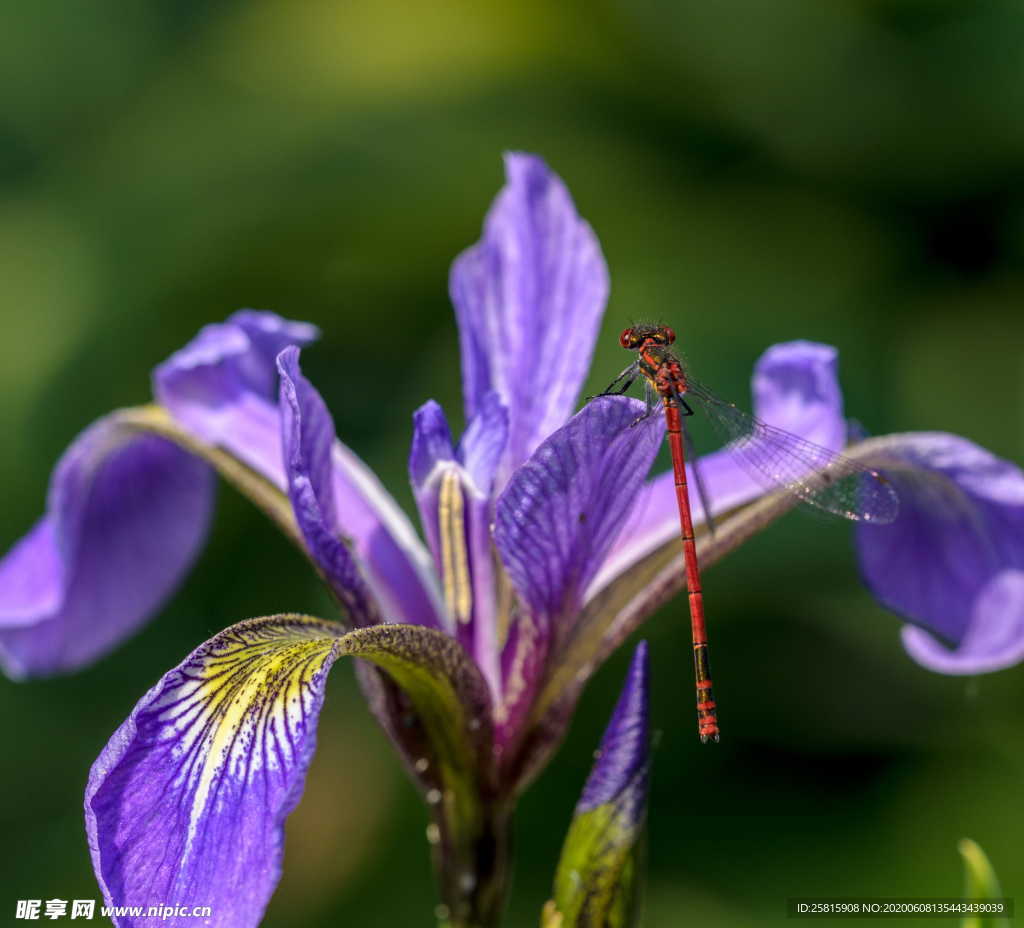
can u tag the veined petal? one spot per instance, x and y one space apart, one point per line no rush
960 526
554 525
222 386
534 283
344 511
563 509
795 387
596 879
187 802
307 437
126 516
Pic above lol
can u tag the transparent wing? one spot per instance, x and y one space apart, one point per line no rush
780 460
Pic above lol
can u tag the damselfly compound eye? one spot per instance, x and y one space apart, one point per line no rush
626 338
670 336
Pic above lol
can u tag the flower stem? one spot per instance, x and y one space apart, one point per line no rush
473 866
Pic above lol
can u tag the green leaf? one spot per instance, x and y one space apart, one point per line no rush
981 882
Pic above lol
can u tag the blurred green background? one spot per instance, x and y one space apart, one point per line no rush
849 171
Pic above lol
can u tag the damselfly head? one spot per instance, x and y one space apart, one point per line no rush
636 336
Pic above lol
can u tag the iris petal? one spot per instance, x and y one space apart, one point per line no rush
994 638
484 442
795 387
555 523
187 802
455 512
308 436
534 284
960 525
126 516
343 508
563 509
222 386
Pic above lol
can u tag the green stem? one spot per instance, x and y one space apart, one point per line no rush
473 866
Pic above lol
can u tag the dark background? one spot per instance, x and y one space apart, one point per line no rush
848 171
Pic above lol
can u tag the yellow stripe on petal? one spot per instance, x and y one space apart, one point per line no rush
451 519
243 704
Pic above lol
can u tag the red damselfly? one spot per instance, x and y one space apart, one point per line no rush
773 457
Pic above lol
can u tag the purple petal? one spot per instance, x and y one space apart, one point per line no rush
484 442
456 518
960 525
222 386
534 284
351 505
622 759
187 802
126 516
431 442
563 509
554 525
994 638
308 437
795 387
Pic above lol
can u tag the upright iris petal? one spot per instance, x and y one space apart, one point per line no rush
951 561
126 516
529 298
453 493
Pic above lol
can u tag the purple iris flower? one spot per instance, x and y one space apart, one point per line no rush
544 549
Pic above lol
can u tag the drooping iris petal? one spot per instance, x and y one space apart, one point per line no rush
308 437
596 879
529 298
126 516
222 386
960 526
994 638
564 508
187 802
795 387
351 512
